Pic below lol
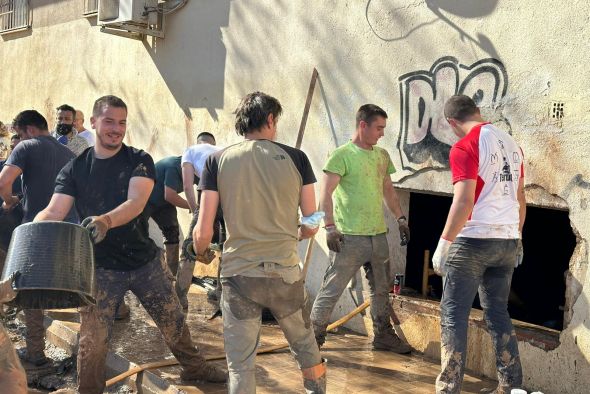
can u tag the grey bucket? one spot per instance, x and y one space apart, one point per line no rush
56 265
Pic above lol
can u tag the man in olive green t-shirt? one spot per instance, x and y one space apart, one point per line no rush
356 181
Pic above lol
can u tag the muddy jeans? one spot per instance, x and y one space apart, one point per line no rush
154 290
356 250
242 301
487 265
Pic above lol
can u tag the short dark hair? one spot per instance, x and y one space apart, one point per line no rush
368 112
253 111
65 107
206 136
460 107
30 117
111 101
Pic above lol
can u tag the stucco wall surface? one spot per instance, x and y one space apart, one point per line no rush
525 62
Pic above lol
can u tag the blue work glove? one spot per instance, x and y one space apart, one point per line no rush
313 221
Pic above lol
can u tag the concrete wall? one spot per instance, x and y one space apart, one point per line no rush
518 58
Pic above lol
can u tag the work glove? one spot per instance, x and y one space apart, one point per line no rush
206 257
7 292
97 226
334 239
8 205
519 253
441 254
188 251
313 221
404 230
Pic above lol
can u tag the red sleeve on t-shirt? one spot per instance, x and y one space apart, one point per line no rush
464 157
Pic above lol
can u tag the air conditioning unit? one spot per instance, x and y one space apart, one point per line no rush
111 12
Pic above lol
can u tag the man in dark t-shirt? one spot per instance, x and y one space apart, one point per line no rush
162 205
110 185
17 188
261 185
38 158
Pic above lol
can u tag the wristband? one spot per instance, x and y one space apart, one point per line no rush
330 225
402 218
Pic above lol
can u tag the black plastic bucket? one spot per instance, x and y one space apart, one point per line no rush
56 262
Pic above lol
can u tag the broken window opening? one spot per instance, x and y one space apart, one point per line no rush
538 285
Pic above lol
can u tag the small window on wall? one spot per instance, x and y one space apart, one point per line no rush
14 15
90 7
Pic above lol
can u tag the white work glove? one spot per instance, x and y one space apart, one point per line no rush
441 254
313 221
519 253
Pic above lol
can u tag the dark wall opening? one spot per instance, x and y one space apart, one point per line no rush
538 285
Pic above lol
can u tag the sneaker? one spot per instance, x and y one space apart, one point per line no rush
392 343
205 372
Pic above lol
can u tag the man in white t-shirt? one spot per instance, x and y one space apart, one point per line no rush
192 162
481 243
82 131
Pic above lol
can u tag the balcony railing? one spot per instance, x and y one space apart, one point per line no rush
14 15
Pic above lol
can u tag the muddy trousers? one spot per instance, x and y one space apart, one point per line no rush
13 378
356 251
154 290
35 337
487 265
241 328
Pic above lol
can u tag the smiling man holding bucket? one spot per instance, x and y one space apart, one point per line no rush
110 185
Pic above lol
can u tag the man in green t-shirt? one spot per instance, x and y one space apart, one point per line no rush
356 180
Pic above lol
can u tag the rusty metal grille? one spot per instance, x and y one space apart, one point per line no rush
14 14
90 7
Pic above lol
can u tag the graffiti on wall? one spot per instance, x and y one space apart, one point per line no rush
425 137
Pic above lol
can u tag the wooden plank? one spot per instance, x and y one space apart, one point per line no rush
314 78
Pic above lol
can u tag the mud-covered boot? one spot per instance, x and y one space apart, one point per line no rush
172 251
314 379
389 341
204 373
184 278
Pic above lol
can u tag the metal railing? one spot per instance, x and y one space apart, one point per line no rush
14 15
90 7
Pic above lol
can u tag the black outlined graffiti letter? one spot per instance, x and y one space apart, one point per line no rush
425 137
